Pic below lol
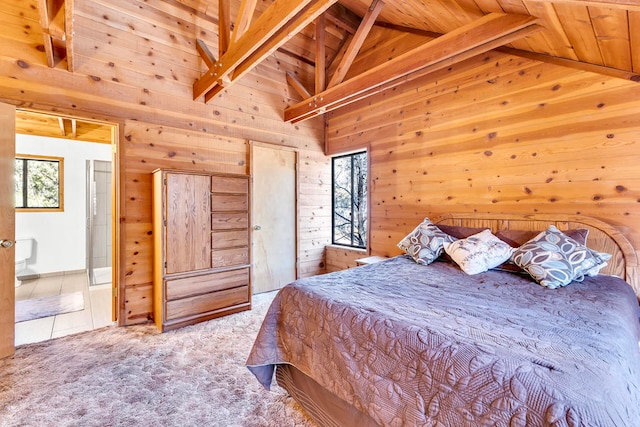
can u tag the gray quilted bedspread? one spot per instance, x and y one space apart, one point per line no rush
414 345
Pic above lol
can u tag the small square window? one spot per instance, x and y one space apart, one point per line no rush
38 183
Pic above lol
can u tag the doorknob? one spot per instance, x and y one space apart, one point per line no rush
6 243
257 227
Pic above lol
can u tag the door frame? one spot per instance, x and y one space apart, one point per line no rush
296 212
116 262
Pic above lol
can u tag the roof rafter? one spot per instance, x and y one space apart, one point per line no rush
275 26
356 43
486 33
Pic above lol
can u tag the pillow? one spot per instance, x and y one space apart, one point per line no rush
517 238
424 243
602 258
554 259
458 232
479 252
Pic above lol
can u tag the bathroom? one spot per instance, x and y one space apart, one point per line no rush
72 243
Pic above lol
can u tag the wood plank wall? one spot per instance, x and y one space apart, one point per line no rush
135 66
497 133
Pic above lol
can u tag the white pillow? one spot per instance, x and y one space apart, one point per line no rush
479 252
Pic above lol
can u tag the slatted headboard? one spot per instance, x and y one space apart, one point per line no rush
602 237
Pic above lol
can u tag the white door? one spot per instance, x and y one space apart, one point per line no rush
7 230
273 217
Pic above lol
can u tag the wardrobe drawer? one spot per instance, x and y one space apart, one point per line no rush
229 239
207 302
229 257
205 283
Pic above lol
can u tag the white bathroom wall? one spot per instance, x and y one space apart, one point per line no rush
60 236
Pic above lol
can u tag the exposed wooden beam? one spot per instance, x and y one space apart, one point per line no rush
340 52
297 85
63 132
69 34
297 24
44 9
56 26
270 22
224 27
205 53
280 22
583 66
486 33
356 43
245 14
74 128
320 67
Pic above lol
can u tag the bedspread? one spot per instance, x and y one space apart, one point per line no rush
429 345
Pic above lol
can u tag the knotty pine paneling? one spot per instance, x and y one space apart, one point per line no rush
339 258
497 133
135 66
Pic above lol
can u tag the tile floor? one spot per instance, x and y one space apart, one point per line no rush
96 313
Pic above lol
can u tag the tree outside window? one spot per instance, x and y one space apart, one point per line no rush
350 215
38 183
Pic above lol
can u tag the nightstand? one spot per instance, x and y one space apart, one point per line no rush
370 260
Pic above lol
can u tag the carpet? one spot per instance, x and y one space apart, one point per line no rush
53 305
136 376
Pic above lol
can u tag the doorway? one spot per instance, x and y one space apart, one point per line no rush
61 268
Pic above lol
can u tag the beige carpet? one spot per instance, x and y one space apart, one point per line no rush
35 308
135 376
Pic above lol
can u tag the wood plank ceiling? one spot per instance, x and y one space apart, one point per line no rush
38 124
601 36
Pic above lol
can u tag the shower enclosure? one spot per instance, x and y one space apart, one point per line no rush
99 222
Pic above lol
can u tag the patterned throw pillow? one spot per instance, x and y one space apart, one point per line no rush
425 242
554 259
478 253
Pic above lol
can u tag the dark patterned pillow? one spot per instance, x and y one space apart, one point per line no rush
554 259
517 238
425 242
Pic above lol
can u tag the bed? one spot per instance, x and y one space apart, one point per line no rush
403 344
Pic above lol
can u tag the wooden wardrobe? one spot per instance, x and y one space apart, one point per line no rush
202 266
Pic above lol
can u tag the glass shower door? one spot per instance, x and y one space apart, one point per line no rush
99 222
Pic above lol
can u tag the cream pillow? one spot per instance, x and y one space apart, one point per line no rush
479 252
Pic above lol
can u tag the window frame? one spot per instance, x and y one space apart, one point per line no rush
60 161
333 191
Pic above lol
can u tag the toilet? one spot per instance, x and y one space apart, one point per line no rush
24 251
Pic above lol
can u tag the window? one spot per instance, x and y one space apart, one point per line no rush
350 200
38 183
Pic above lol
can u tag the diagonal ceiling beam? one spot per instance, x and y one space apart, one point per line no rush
489 32
321 52
224 27
297 24
275 26
245 14
356 43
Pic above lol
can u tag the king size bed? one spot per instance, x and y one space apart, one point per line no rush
429 339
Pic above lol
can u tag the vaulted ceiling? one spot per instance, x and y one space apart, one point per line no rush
597 35
601 36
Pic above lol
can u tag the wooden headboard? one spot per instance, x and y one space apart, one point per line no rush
602 237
